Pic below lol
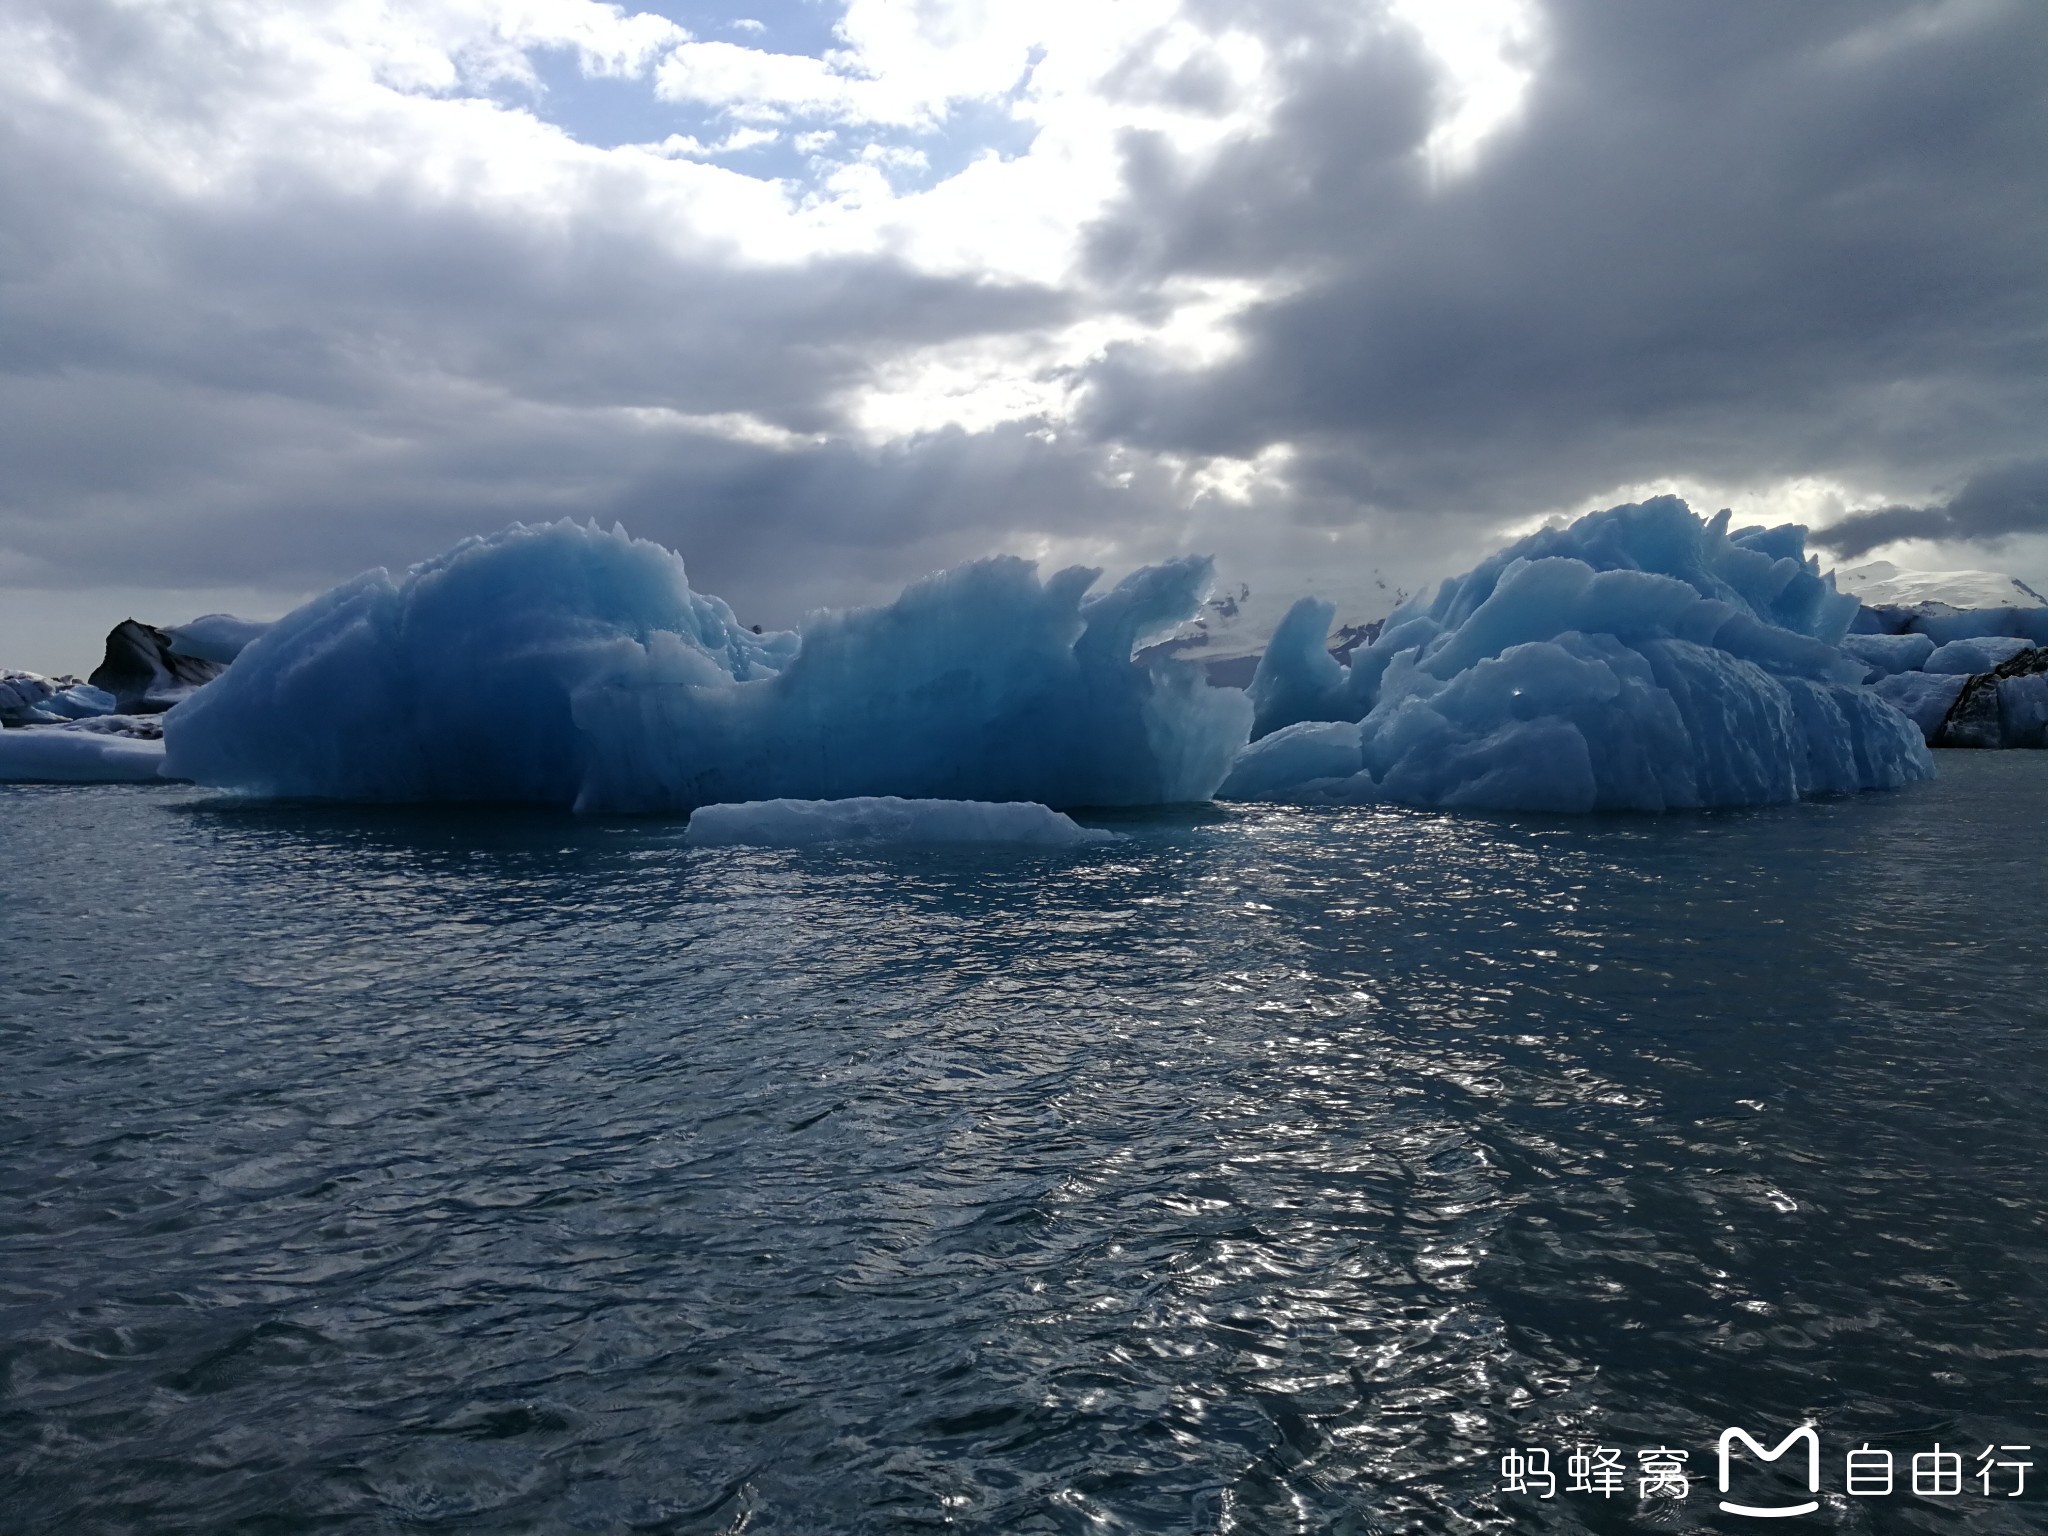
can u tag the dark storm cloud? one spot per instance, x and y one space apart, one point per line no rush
1732 241
1994 505
334 295
282 375
777 530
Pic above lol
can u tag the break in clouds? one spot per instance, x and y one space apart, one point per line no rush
825 297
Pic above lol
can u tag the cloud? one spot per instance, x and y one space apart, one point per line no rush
1331 288
1992 506
687 146
1772 242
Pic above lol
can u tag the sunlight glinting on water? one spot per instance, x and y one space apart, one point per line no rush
1273 1169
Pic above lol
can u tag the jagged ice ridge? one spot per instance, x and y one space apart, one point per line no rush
572 666
1640 659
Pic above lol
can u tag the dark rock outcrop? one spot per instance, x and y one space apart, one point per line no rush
144 674
2005 707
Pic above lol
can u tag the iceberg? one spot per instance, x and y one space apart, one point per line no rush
1642 658
29 698
1925 698
215 637
2002 705
1979 653
565 665
60 755
887 819
1889 654
144 673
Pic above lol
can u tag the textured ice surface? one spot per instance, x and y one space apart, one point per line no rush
1943 624
1989 709
1640 659
217 637
886 818
29 698
42 755
1887 654
80 701
1924 697
1979 654
2023 710
571 666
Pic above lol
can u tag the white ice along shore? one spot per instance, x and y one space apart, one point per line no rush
571 666
887 819
1641 659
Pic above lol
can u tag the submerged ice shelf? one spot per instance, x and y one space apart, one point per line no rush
77 757
887 819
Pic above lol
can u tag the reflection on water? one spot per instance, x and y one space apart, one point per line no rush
1274 1170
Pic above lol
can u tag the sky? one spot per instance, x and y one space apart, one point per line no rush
827 295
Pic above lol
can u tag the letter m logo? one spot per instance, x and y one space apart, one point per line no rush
1804 1433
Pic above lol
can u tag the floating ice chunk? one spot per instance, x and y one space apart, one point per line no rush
1310 762
1641 659
566 665
888 819
1298 679
80 701
2005 707
215 637
55 755
1943 625
1888 654
2023 710
1978 654
1925 698
29 698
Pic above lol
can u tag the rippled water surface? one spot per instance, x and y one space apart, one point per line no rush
1271 1171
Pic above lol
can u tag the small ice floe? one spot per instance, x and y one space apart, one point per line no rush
70 756
888 819
29 698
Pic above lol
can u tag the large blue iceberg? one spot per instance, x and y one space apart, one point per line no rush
1642 658
571 666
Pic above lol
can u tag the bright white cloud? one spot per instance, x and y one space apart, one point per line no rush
1040 375
1485 52
1213 276
687 146
906 65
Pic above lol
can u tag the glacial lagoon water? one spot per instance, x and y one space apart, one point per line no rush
1273 1170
